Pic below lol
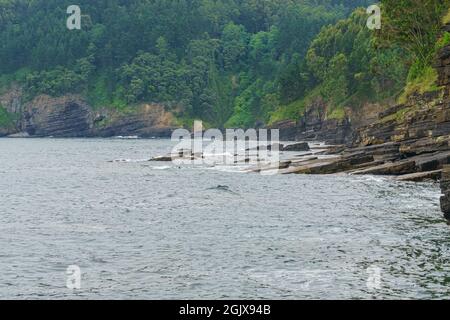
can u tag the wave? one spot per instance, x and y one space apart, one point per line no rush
130 160
126 137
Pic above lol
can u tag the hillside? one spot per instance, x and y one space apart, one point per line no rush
229 63
144 67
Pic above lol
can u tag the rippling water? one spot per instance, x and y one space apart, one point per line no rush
157 231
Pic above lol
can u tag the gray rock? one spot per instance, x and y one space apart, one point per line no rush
300 146
167 158
19 135
393 168
445 188
421 176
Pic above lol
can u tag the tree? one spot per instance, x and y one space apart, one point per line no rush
208 59
234 46
335 87
412 24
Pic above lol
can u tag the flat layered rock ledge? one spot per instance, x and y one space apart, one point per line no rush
411 161
416 161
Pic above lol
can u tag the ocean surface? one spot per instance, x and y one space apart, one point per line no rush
146 230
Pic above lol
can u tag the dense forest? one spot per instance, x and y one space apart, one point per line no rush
228 62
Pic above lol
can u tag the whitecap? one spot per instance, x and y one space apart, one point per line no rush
161 167
130 160
127 137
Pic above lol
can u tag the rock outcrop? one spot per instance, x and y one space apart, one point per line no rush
410 141
11 104
314 125
299 146
445 188
68 116
442 66
145 121
72 116
421 125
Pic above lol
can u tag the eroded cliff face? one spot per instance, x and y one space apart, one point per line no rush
316 124
146 121
11 108
410 141
425 117
67 116
72 116
422 124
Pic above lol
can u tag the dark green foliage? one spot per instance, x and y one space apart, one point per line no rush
345 61
413 24
230 62
6 119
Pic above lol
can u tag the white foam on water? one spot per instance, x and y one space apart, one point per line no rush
161 167
130 160
127 137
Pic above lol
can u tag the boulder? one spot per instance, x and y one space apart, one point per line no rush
167 158
299 146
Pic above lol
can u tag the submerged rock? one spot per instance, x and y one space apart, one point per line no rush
167 158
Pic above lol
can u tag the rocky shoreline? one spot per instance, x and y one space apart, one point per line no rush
427 161
386 159
409 141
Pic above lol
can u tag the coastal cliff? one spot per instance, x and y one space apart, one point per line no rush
72 116
315 126
408 140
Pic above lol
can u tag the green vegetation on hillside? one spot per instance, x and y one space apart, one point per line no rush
345 67
226 62
229 62
415 25
6 120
